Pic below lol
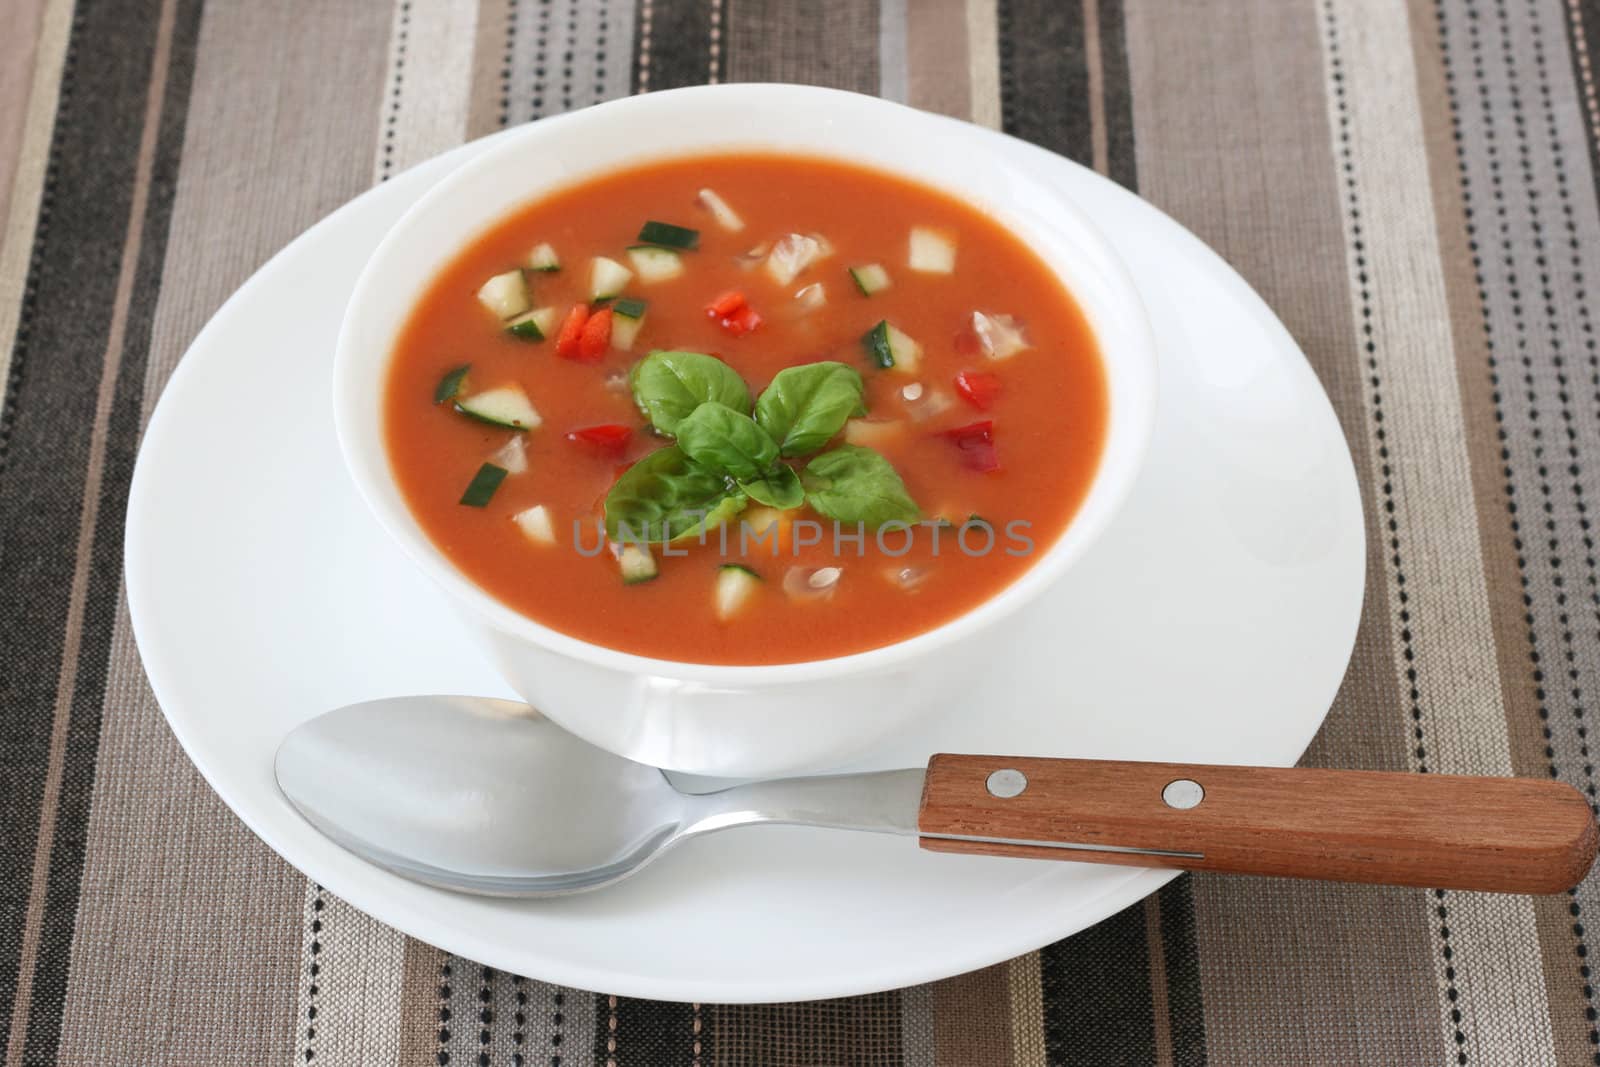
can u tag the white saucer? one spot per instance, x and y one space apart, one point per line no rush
1212 623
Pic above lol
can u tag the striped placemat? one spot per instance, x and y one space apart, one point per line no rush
1411 184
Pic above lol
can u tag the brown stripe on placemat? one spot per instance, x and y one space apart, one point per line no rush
73 332
420 997
24 163
863 1031
183 915
1219 99
1044 77
829 42
428 85
628 1031
1184 1023
972 1018
1437 87
1116 113
938 74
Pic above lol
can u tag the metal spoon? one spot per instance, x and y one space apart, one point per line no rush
487 796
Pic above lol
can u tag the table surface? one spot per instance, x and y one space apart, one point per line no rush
1411 186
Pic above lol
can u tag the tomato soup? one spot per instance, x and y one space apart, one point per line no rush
745 409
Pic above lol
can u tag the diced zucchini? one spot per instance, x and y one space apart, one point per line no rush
655 264
758 519
887 347
536 525
451 383
726 217
505 294
513 455
931 251
534 325
636 563
792 254
543 258
870 279
811 297
483 485
607 278
667 235
627 318
506 406
873 433
735 586
999 336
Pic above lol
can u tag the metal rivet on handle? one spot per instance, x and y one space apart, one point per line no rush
1007 783
1183 794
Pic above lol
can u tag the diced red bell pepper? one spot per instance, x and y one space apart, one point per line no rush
734 313
596 336
608 440
978 388
976 442
567 340
726 304
742 321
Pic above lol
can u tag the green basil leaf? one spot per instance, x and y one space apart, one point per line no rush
731 503
778 488
720 438
806 405
851 484
664 495
667 386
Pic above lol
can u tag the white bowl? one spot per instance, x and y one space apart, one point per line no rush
705 718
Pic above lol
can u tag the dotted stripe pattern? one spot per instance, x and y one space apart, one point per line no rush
1390 524
1513 249
391 120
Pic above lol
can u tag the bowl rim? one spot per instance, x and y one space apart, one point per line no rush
1130 416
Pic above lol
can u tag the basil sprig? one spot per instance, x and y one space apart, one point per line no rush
725 457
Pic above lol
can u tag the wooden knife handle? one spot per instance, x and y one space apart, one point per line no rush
1515 835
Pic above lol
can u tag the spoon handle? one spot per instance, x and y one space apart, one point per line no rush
1517 835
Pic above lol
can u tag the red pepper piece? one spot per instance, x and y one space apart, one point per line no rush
596 336
726 304
742 321
572 331
610 439
976 442
978 388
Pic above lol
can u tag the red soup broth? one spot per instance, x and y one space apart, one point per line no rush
1047 405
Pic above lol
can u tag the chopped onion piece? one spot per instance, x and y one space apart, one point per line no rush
999 336
535 523
791 255
931 251
824 246
912 391
726 217
933 402
513 456
908 579
802 583
751 258
811 297
870 433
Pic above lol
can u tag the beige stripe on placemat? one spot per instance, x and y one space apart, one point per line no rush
88 521
983 62
17 50
1562 981
183 915
1094 69
419 1005
24 174
361 968
1221 98
1025 988
938 70
428 86
1442 611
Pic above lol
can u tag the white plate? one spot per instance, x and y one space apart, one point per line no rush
1212 623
